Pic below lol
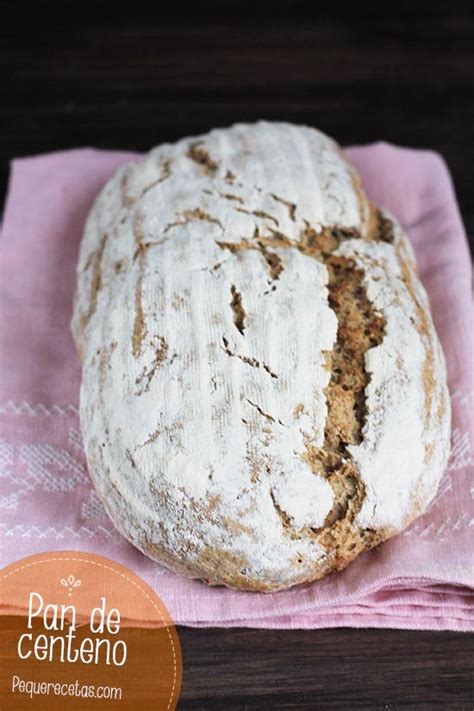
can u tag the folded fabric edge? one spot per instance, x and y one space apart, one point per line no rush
342 620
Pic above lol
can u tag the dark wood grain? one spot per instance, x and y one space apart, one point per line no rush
115 75
374 670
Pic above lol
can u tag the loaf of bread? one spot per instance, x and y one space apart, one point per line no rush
264 394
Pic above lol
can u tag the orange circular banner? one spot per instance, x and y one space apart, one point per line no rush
82 632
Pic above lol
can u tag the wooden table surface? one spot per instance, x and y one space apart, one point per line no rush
115 75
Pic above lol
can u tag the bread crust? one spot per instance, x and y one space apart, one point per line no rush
264 395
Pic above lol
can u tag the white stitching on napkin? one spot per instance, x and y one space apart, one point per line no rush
48 468
93 508
440 531
461 451
19 529
25 408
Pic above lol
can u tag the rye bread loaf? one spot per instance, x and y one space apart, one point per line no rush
264 394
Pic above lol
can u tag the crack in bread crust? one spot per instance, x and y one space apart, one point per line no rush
199 154
94 262
237 309
359 329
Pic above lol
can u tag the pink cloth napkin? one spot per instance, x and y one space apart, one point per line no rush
422 579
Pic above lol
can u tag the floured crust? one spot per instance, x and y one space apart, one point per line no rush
264 395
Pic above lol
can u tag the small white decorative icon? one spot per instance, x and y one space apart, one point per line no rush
70 583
